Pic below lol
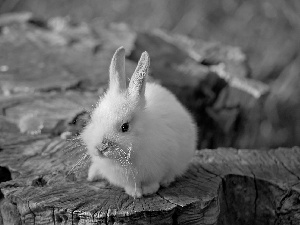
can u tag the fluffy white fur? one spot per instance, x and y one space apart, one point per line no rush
161 132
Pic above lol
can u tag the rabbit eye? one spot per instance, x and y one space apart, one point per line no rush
125 127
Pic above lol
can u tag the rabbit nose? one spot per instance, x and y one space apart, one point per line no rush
105 145
107 142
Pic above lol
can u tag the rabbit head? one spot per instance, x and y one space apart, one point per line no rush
115 122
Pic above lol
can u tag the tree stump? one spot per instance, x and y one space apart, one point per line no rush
222 186
52 72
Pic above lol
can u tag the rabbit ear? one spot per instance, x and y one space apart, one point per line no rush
117 70
138 80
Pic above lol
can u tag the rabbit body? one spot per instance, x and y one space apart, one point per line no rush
160 140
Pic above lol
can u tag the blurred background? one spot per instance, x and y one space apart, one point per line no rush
268 31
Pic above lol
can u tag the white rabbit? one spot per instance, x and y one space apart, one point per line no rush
139 137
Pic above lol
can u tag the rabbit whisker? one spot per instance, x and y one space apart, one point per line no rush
81 162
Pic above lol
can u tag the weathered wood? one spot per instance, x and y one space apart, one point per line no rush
43 189
43 192
50 108
63 56
56 72
259 187
212 80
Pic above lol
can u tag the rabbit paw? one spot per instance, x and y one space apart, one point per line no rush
91 178
150 189
134 192
93 174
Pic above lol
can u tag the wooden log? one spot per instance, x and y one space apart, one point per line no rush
43 192
41 56
259 187
212 80
244 185
38 182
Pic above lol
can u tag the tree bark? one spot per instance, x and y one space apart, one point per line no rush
222 186
53 75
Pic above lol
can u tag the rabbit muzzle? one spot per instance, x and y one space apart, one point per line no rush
113 150
105 146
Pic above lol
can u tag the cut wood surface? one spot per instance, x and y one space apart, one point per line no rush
54 71
42 192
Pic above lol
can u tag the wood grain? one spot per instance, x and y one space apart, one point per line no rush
58 73
42 192
43 187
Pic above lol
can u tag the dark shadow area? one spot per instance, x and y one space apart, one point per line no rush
246 201
5 175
